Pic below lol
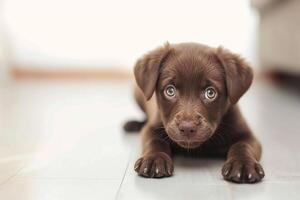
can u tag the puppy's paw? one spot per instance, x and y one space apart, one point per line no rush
243 171
155 165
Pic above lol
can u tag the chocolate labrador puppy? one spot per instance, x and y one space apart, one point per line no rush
189 93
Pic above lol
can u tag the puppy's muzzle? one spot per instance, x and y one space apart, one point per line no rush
188 125
188 128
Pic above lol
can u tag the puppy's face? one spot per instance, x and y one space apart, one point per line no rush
191 96
194 86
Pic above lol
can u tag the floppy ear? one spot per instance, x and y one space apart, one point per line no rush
147 68
238 73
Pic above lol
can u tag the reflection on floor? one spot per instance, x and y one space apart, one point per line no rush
63 140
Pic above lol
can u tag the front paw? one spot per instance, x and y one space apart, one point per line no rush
155 165
239 171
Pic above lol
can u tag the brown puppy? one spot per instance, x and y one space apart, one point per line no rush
189 93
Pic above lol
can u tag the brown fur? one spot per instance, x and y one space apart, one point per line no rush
189 120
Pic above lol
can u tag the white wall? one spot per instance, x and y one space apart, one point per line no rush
112 33
4 69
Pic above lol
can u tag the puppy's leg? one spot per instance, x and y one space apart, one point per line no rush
156 161
242 162
133 125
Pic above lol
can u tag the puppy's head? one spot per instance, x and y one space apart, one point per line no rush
195 85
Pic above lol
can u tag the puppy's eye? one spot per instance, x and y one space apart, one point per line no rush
210 93
170 91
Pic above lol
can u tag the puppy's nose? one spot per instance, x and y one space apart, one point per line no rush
187 128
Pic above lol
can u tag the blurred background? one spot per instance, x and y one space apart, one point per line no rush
99 38
66 89
111 35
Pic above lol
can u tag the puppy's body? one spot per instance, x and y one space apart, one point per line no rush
189 93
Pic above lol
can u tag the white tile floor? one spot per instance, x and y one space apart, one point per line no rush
63 140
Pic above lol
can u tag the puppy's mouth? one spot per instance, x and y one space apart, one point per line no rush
189 142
